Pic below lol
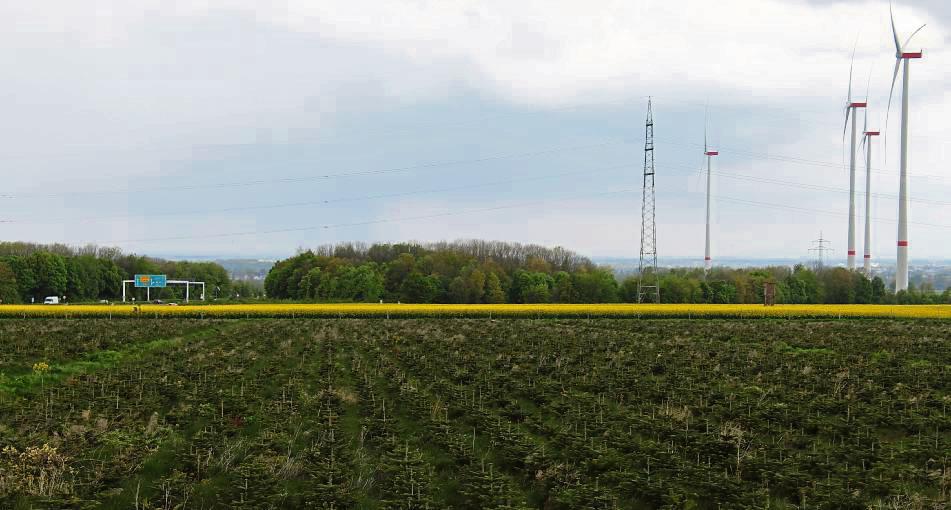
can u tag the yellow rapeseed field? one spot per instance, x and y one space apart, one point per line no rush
523 310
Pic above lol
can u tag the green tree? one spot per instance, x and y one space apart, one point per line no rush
802 286
494 293
879 293
457 290
468 287
25 277
133 264
862 288
361 283
905 297
536 293
628 290
419 288
594 286
562 291
110 279
475 285
83 278
51 276
275 283
678 288
926 293
9 291
838 286
719 292
307 289
397 271
531 287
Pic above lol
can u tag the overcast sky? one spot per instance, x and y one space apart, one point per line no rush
240 128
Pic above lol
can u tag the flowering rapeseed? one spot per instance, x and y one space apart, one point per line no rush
394 310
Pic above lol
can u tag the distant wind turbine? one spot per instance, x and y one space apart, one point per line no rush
867 142
850 108
902 57
707 260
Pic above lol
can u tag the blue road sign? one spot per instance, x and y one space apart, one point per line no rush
150 280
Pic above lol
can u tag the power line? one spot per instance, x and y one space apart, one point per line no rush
437 164
286 205
485 209
337 200
814 187
434 164
758 111
819 211
797 160
374 222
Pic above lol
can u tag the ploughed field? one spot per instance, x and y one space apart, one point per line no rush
475 413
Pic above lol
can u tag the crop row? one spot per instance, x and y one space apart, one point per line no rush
723 417
479 413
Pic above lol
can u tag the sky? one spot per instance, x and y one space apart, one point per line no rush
252 129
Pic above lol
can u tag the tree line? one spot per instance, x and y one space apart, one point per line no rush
30 272
797 285
446 272
475 271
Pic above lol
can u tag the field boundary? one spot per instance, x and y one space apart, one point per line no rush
395 310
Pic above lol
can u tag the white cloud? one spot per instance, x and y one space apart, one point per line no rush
105 95
543 52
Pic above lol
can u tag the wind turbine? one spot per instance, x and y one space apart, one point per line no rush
902 57
867 142
707 260
850 107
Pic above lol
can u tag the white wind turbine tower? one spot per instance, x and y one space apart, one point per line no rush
850 108
902 57
707 260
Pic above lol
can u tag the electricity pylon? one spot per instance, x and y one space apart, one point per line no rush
648 284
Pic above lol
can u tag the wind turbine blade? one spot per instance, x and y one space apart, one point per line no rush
705 128
865 128
891 91
888 109
704 140
848 110
851 66
913 34
848 101
894 31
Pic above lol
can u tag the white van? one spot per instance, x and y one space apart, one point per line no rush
51 300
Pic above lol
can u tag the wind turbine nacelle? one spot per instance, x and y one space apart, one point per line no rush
711 153
912 54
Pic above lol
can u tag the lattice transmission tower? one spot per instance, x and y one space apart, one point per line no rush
648 284
820 248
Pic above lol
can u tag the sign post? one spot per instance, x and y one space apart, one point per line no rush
149 281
